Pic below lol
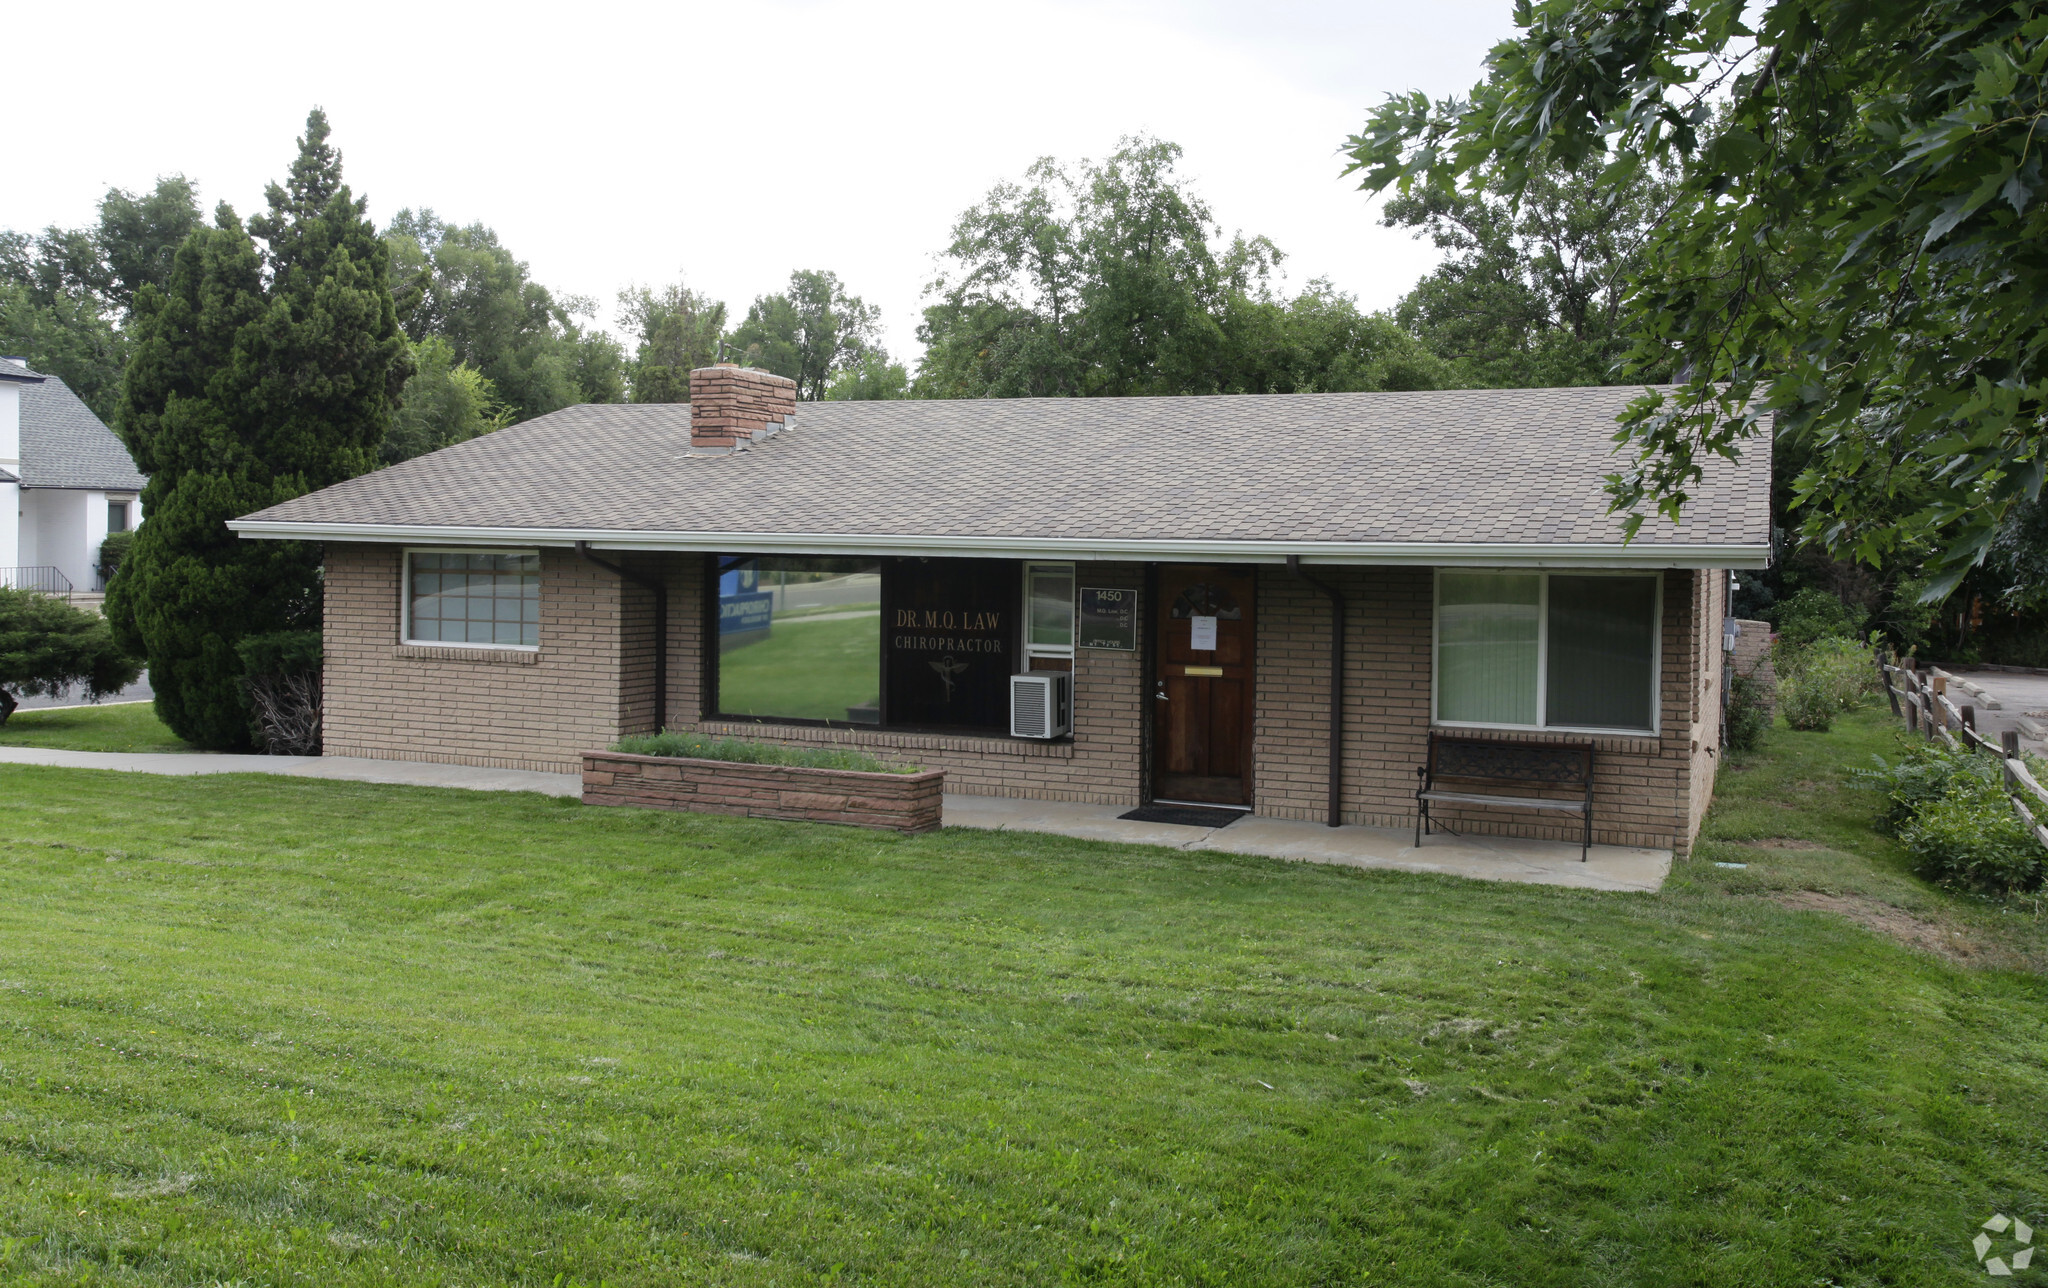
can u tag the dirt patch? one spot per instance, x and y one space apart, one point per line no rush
1785 843
1883 918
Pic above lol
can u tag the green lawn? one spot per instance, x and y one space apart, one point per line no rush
270 1031
805 670
126 726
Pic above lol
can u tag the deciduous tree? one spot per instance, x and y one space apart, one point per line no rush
1532 289
462 284
810 333
679 331
445 402
1852 247
1113 278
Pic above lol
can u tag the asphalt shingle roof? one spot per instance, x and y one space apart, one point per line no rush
1481 466
64 445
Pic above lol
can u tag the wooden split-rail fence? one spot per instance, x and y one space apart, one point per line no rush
1922 699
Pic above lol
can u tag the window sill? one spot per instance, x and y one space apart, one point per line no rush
488 656
1602 739
904 739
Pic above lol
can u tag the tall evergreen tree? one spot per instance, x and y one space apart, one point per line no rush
257 377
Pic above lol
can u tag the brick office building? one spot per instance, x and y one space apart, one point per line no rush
876 573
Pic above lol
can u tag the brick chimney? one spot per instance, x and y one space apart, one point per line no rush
732 406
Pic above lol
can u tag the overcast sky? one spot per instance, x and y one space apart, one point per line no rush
727 144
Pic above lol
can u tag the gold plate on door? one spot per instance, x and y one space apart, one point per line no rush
1213 671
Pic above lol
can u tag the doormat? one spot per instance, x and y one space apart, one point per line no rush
1185 815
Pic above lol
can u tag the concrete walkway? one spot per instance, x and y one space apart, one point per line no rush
1485 858
354 769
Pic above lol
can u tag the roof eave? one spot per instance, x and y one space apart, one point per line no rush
1424 553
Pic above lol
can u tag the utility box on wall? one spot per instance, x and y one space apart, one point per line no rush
1042 704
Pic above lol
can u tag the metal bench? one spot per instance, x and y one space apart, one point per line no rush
1485 763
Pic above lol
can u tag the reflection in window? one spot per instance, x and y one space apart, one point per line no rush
473 599
1049 602
800 638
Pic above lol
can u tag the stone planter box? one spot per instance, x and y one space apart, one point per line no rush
901 802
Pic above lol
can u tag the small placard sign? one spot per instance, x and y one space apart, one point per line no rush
1109 619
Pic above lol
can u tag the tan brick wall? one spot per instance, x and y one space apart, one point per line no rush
1644 788
593 678
1753 655
511 710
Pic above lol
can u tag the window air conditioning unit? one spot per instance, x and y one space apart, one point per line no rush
1042 704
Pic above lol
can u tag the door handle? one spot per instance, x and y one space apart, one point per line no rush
1161 695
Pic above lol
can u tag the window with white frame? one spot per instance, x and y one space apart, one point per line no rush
1533 650
1049 610
487 599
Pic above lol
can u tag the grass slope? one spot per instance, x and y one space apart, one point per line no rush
126 726
276 1031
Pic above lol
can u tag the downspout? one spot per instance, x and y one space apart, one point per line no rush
660 589
1336 687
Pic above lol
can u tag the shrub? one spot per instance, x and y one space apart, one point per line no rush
1949 807
113 549
281 675
1819 680
1814 614
1749 713
46 646
1922 777
695 747
1970 837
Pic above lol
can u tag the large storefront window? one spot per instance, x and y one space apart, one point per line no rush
800 638
913 643
1547 650
479 599
951 642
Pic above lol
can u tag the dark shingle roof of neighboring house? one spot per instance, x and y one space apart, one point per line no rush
64 445
1367 477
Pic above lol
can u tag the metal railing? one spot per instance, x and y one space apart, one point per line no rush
46 579
1924 702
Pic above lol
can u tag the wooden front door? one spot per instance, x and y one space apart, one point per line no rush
1202 685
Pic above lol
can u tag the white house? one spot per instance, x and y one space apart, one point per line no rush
66 478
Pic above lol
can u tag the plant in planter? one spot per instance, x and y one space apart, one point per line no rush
46 646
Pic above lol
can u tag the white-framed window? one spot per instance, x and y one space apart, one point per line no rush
1048 610
472 598
1576 652
118 512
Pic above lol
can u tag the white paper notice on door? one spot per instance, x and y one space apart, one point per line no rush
1203 633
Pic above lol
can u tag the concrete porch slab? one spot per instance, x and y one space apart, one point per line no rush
1482 858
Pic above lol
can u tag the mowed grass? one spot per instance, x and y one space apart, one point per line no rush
124 726
269 1031
805 670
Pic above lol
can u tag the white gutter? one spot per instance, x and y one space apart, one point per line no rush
1425 553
